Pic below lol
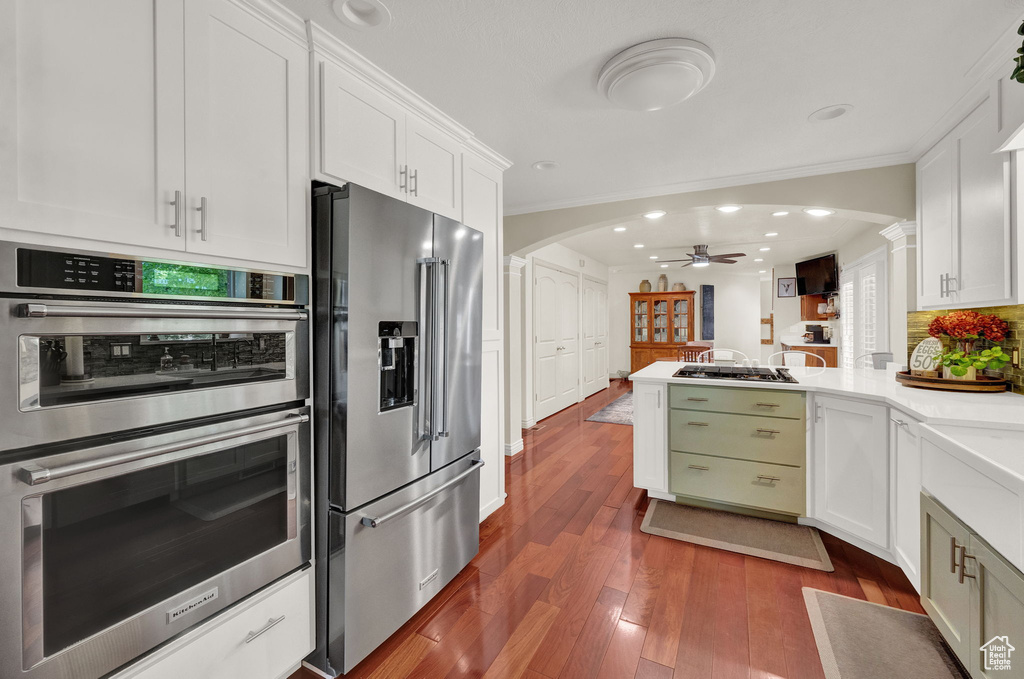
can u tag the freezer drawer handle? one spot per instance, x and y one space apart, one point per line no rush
62 311
272 622
377 522
34 474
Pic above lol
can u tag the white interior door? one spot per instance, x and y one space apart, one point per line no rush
556 341
595 336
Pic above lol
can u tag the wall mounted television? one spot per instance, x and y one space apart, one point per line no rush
818 276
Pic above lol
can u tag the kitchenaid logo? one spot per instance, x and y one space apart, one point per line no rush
191 605
997 654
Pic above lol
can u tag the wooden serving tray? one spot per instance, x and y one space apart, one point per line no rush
982 383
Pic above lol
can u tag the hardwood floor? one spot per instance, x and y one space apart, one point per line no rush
566 585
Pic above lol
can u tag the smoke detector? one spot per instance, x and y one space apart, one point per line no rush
657 74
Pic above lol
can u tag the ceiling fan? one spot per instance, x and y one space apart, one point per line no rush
700 257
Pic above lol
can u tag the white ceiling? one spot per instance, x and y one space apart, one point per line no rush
801 236
521 74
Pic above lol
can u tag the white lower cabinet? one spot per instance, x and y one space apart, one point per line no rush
905 442
851 467
650 440
265 637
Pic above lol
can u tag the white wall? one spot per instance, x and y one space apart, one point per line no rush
737 308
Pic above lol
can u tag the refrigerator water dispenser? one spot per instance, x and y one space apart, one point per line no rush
396 358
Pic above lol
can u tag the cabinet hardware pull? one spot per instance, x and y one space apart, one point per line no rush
952 554
898 423
770 432
963 565
694 398
203 231
951 285
403 173
659 400
697 424
768 405
177 214
698 467
817 413
414 182
942 285
263 630
770 479
378 521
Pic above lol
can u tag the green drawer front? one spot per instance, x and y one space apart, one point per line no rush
744 437
753 401
780 489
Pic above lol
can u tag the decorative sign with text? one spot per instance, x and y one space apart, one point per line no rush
926 356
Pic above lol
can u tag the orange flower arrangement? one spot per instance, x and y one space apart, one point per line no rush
969 325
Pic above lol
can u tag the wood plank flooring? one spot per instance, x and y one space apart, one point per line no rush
566 585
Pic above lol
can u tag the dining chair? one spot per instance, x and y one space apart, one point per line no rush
722 356
795 358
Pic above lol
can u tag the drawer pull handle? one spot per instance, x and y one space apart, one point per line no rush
697 424
378 521
770 432
963 564
952 554
769 479
263 630
698 467
768 405
695 398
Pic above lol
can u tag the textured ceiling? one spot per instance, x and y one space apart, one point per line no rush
521 74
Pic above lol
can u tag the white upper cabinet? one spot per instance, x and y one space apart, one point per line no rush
92 119
964 221
481 210
247 136
368 138
120 116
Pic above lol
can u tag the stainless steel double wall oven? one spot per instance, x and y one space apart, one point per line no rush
155 450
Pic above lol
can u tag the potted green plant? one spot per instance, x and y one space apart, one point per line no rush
967 328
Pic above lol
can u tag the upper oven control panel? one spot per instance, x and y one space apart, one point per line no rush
46 270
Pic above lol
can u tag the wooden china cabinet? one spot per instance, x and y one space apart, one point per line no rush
660 324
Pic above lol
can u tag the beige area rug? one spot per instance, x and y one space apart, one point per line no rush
785 542
863 640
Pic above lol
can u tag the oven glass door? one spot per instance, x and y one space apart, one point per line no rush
101 551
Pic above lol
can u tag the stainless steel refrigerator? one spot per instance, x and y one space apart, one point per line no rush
397 341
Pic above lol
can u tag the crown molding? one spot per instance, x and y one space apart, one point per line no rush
328 46
899 230
278 16
717 183
514 263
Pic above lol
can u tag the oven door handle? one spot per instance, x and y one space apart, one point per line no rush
378 521
128 311
34 474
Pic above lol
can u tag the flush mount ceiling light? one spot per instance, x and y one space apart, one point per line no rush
759 259
654 256
829 113
729 208
619 228
362 14
639 245
771 234
818 212
780 213
762 271
664 266
657 74
765 249
655 214
544 165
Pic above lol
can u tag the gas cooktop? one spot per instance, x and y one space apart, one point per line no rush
726 372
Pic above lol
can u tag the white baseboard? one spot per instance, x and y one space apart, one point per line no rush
514 447
529 423
491 507
847 537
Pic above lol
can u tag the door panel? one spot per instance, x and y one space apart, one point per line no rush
434 160
247 136
946 600
595 336
546 327
568 387
92 144
935 219
462 306
997 607
907 486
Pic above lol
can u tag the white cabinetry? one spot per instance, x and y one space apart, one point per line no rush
905 442
120 116
368 138
650 442
964 217
265 637
851 468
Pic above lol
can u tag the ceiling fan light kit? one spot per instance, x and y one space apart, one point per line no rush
657 74
701 257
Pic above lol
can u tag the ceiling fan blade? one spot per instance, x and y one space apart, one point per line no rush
718 260
667 261
731 255
687 264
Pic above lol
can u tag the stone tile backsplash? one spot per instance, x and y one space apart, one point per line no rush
917 330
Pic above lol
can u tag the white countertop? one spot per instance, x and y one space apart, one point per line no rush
1005 410
803 343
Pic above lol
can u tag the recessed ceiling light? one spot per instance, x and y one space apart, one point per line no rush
544 165
771 234
762 271
655 214
654 256
656 74
780 213
362 14
829 113
619 228
664 266
765 249
818 212
759 259
639 245
729 208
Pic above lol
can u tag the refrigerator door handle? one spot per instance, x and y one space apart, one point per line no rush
428 278
378 521
446 271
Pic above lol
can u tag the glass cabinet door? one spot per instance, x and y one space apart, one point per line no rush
660 317
680 320
640 320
